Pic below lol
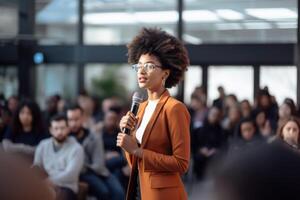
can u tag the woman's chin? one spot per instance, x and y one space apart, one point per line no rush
142 85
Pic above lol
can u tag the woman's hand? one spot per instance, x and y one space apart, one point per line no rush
128 121
128 143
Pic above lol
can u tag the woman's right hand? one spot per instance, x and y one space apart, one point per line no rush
128 121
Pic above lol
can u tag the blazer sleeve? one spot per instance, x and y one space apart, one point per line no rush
179 127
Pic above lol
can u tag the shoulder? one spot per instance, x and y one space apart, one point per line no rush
174 105
74 144
44 143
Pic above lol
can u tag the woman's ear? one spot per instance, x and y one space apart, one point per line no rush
166 75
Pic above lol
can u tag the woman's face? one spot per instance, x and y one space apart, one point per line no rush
247 130
261 119
285 111
290 132
25 116
151 78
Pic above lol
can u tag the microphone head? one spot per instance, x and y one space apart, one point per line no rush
138 97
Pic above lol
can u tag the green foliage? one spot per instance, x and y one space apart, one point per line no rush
108 84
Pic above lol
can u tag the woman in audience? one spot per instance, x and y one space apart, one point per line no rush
26 131
207 140
231 122
289 132
263 124
286 110
246 108
246 134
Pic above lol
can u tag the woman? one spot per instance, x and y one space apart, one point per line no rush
26 131
289 132
159 146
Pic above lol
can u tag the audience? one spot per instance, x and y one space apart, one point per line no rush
61 157
207 141
26 130
101 182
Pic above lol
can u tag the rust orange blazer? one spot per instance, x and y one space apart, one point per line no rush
166 151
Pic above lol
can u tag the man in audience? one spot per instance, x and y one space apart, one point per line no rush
61 157
101 182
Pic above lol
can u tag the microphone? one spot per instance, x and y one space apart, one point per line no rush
137 98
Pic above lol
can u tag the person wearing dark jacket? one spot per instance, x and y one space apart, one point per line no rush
207 141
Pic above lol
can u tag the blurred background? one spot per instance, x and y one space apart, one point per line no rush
64 46
244 60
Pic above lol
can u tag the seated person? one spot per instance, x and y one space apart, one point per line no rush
289 132
26 131
61 157
101 182
246 135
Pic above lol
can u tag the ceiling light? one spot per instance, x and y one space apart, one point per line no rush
200 16
157 17
229 14
272 13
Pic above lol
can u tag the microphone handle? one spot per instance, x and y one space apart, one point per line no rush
134 110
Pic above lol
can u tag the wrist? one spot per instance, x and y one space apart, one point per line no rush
138 152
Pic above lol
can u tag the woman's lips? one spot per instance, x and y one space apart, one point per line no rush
142 79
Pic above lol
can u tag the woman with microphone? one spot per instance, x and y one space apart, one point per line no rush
158 148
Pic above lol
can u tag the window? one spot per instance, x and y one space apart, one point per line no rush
251 21
236 80
281 81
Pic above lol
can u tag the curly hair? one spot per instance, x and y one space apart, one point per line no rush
166 48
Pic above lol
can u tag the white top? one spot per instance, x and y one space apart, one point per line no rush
149 110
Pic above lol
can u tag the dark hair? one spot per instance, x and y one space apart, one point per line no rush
169 50
283 124
59 117
268 171
37 122
290 103
74 107
242 121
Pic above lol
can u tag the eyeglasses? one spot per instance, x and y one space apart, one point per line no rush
147 67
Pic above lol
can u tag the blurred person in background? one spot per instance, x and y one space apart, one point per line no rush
289 132
198 111
5 121
19 182
263 124
220 101
246 136
101 183
207 141
61 158
13 103
230 123
51 108
246 108
26 130
201 93
268 171
286 110
265 103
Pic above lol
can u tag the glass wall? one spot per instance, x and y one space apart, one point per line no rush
8 19
110 80
281 81
56 79
116 22
193 79
236 80
56 21
235 21
8 81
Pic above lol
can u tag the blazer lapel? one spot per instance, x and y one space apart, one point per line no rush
158 109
